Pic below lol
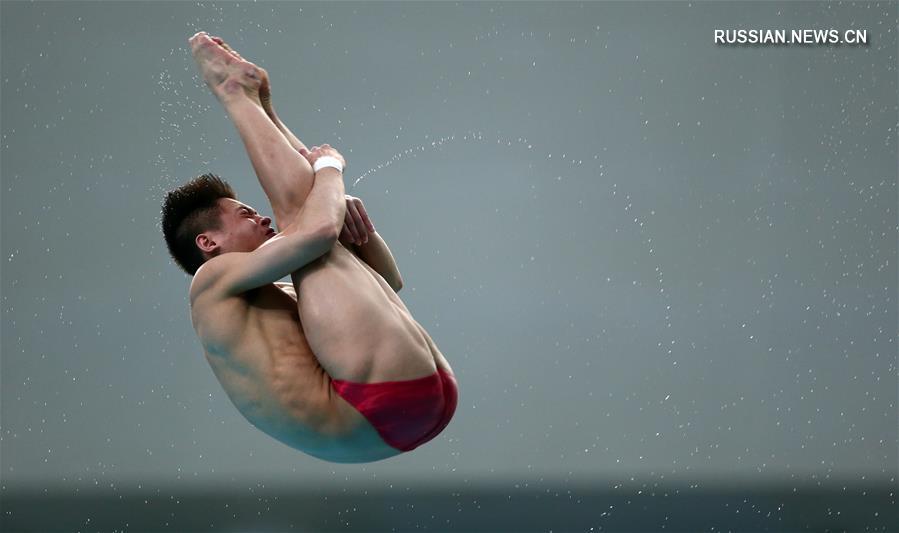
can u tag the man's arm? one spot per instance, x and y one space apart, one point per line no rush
376 253
315 233
371 248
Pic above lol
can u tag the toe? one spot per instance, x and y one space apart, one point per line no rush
198 37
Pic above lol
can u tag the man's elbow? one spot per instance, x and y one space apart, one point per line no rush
397 284
329 234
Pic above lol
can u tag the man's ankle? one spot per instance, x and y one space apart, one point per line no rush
231 92
270 110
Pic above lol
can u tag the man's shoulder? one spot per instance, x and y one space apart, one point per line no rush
212 308
206 277
215 315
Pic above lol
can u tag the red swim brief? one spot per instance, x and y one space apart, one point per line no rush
406 413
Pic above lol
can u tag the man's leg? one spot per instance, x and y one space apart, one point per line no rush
291 138
265 99
285 175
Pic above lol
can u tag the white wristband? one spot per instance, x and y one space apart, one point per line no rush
327 161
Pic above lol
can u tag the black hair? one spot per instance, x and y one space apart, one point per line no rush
188 211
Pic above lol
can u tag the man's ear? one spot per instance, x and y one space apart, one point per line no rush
205 243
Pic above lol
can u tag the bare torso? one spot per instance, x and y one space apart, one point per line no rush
277 369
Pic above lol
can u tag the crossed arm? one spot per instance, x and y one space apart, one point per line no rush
371 249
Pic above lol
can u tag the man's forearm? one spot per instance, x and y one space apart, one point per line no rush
376 253
326 205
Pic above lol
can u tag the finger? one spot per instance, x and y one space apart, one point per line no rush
360 224
350 227
345 235
365 217
357 227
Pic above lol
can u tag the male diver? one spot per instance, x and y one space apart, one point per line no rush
332 364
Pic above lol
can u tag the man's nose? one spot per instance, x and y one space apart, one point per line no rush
266 221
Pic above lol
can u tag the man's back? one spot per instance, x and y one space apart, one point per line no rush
256 346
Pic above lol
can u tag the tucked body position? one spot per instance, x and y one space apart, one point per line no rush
332 363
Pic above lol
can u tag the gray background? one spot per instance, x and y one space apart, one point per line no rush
645 255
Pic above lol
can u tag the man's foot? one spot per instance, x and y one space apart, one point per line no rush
226 72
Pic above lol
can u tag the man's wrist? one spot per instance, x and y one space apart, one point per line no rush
328 172
327 161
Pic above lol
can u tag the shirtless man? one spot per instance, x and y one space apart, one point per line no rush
343 373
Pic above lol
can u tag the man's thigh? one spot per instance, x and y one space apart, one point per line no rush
287 211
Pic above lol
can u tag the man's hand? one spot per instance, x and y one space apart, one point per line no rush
321 151
357 225
370 247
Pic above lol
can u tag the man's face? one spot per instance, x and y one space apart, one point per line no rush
243 229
